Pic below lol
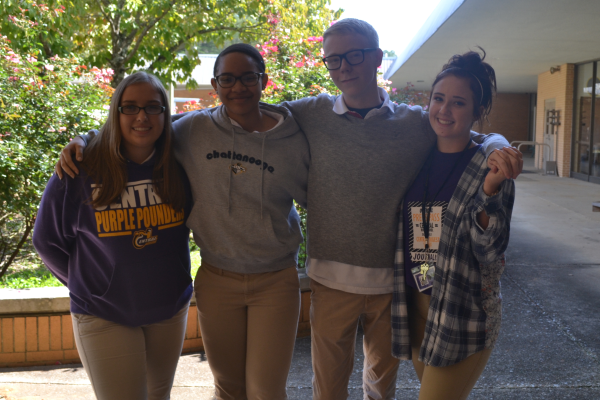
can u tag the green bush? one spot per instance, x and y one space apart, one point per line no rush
43 102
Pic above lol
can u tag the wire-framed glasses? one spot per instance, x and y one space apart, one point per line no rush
150 110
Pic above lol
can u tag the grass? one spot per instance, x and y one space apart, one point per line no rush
31 273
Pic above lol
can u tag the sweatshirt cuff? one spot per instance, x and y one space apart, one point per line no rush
87 137
491 204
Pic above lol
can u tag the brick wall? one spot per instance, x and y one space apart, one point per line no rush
557 86
37 340
509 117
48 339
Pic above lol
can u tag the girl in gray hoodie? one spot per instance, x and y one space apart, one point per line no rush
247 162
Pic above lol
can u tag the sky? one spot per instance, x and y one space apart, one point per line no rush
396 21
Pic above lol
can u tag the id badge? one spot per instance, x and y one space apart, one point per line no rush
423 276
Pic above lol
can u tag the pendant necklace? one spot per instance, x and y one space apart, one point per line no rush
427 268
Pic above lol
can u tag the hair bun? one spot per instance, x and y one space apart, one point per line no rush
471 61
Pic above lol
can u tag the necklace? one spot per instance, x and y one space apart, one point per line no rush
427 268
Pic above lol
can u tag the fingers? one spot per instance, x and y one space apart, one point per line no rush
58 169
508 160
516 160
501 160
66 163
66 157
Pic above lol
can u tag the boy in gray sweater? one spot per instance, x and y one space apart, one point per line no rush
365 153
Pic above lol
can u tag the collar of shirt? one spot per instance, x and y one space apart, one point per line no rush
278 117
340 107
152 154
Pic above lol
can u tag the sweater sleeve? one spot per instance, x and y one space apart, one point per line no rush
55 227
301 181
489 244
89 136
490 142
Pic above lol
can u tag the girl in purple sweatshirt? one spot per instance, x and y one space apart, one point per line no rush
116 236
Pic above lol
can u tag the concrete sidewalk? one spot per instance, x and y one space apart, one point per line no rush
549 346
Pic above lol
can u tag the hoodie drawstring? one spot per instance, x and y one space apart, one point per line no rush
230 171
262 174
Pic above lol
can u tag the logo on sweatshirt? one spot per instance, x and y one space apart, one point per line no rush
237 168
240 157
138 209
143 238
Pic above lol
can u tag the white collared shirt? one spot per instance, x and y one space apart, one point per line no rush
340 105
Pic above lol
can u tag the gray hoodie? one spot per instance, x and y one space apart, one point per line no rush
244 184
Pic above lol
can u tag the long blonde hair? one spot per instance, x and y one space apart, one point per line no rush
105 164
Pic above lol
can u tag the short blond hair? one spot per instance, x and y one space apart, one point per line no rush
353 25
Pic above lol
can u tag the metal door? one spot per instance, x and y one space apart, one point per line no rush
550 133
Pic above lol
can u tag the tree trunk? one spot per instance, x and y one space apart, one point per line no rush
28 227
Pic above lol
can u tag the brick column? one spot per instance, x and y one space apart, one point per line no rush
557 86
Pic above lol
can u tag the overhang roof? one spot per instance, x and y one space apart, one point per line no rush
522 38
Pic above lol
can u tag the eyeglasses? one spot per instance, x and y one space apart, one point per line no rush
227 80
353 57
150 110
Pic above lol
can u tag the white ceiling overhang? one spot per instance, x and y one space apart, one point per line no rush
522 38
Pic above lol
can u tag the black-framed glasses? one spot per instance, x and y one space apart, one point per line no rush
228 80
353 57
150 110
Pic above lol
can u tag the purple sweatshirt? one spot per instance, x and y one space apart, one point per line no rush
128 262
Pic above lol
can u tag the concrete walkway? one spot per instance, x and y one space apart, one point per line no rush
549 346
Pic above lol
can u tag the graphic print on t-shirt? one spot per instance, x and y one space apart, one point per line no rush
137 212
418 252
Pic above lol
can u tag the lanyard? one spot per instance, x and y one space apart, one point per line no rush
425 209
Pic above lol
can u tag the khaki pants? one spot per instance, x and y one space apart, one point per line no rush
249 324
125 363
454 382
334 317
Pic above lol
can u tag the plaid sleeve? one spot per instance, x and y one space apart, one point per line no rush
400 334
489 244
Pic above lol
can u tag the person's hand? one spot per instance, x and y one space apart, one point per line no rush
492 182
509 161
65 162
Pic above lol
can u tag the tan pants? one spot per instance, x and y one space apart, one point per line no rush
125 363
334 317
440 383
249 324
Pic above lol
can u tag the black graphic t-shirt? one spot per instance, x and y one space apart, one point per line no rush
415 253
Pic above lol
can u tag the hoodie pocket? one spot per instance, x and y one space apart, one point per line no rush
138 291
240 234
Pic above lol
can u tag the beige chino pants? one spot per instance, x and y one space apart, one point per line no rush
130 363
249 324
454 382
334 318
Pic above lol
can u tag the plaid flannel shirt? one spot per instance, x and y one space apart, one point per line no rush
465 309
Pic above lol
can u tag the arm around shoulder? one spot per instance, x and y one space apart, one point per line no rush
490 142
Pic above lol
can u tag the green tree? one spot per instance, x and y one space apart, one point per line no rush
42 104
162 35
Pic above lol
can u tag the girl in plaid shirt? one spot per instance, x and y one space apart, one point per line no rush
454 229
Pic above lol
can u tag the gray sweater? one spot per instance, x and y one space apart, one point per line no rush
359 171
244 184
